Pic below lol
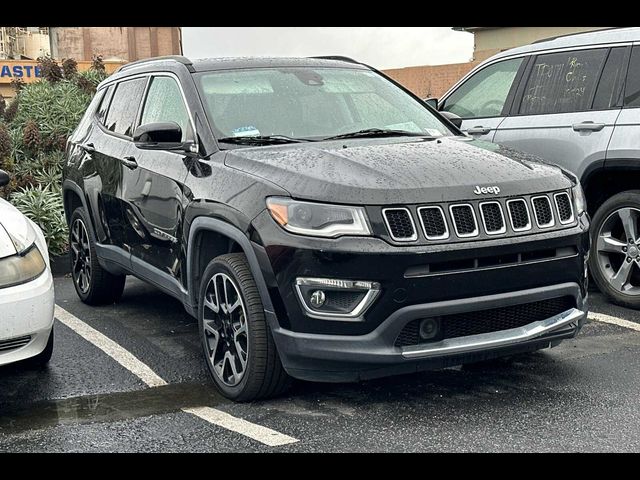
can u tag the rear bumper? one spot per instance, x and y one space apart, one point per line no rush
337 358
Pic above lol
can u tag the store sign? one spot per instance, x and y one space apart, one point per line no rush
27 71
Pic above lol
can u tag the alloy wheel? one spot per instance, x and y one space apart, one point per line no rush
225 329
80 256
618 250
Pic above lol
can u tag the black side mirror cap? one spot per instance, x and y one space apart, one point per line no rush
4 178
453 118
432 102
160 136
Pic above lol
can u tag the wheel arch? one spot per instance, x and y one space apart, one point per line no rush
230 239
604 179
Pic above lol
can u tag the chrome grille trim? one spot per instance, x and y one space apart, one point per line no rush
444 220
484 222
529 225
413 238
476 232
535 211
555 199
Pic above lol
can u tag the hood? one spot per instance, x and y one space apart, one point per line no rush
399 170
16 232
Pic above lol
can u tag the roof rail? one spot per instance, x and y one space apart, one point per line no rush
337 57
548 39
176 58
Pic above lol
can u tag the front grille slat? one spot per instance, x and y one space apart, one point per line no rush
400 224
565 209
488 321
464 220
433 223
492 218
543 211
519 215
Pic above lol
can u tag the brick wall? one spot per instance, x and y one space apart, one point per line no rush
430 80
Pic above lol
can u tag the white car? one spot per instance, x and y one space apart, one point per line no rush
26 288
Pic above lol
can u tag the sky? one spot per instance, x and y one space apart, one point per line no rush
380 47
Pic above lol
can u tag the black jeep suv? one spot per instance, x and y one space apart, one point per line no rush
320 221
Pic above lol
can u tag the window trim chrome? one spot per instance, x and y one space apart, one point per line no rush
473 234
446 234
503 230
535 212
555 200
526 206
413 224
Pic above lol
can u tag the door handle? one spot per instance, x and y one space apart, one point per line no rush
478 130
588 127
88 147
129 162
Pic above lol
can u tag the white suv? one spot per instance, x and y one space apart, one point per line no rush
26 288
574 101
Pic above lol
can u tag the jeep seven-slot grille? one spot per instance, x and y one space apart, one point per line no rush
480 219
519 214
543 213
492 217
433 222
400 224
464 220
487 321
565 210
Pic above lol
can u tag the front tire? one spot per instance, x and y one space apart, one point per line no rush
94 285
615 249
237 343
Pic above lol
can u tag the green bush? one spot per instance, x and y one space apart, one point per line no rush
44 206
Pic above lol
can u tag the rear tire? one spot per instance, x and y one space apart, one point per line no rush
238 347
94 285
614 261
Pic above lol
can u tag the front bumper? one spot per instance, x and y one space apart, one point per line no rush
26 311
340 358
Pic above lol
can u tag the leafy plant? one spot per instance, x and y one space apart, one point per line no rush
89 80
12 110
98 65
3 106
17 84
31 135
44 206
5 142
49 69
69 68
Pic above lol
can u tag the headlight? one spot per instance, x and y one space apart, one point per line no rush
317 219
579 199
21 268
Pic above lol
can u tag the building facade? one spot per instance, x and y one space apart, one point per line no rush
491 40
23 42
124 44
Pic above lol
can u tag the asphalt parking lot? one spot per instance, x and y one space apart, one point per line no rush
581 396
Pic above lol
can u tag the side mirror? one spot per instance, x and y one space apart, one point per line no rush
4 178
159 136
432 102
453 118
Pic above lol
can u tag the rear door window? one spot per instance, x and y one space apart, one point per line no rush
122 112
563 82
611 81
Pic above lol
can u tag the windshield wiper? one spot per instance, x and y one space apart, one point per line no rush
263 140
377 132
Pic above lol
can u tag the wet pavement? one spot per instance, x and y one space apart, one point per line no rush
580 396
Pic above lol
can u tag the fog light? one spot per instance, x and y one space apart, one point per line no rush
317 299
429 328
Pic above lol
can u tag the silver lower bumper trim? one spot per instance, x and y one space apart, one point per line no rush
502 338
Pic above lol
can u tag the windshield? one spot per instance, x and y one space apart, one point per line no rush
311 103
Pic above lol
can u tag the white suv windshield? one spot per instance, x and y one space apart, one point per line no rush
311 103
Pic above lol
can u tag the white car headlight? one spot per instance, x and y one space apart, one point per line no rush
21 268
318 219
579 199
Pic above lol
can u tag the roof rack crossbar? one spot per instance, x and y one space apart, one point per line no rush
176 58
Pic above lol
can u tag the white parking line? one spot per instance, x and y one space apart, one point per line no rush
601 317
152 379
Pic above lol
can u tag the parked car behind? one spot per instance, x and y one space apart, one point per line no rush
320 221
574 101
26 289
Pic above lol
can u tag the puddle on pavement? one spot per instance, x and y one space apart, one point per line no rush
108 407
